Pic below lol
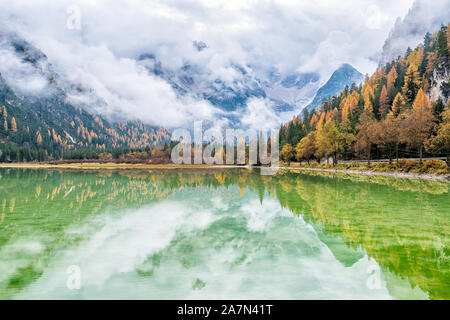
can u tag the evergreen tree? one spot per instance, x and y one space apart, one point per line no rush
412 84
427 40
442 45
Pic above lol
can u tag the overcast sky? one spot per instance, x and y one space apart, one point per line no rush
289 35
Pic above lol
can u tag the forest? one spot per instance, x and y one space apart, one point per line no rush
402 110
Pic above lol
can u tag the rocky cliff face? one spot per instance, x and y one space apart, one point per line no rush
440 85
440 77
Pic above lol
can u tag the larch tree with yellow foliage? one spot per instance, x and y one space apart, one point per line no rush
287 153
306 148
13 125
441 141
336 140
387 135
38 138
321 144
390 110
365 136
391 78
418 123
384 102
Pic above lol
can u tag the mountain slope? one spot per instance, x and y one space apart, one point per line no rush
42 120
424 16
346 75
285 93
402 110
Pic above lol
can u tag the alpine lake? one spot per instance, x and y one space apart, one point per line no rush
221 233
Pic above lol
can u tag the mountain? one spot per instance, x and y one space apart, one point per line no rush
381 117
294 90
423 17
285 93
45 116
344 76
40 120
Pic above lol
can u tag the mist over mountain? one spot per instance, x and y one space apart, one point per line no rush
71 79
234 63
280 95
346 75
424 16
41 112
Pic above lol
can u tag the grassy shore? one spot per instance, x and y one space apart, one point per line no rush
404 166
107 165
429 169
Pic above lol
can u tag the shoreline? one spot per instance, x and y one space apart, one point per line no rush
115 166
392 174
127 166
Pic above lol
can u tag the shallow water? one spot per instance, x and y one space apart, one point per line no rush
221 233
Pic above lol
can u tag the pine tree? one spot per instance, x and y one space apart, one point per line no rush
442 44
412 83
427 40
408 52
398 105
448 36
438 107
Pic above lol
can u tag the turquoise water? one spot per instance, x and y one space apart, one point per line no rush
221 233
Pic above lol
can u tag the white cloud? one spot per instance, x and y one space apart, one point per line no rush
20 76
260 115
409 32
127 88
289 35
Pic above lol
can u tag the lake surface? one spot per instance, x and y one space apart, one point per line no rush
221 234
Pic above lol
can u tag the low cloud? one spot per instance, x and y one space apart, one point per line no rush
260 114
287 35
20 76
423 17
127 88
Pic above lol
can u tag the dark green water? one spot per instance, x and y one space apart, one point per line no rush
213 233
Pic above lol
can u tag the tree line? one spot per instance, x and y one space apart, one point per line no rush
398 111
